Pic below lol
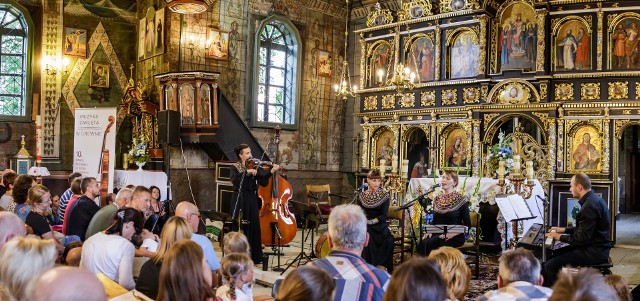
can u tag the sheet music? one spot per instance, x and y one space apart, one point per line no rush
449 228
513 207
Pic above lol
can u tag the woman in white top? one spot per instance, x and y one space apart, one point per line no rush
111 252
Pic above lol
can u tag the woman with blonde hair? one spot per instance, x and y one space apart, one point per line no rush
416 279
174 230
454 269
307 283
619 284
23 259
185 274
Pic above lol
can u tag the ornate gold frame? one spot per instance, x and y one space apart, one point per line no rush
407 53
589 91
451 36
613 20
540 22
379 17
370 72
375 132
406 11
571 127
444 129
555 27
530 93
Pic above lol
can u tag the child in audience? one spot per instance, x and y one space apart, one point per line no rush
307 283
416 279
235 242
237 270
185 274
618 283
455 272
23 259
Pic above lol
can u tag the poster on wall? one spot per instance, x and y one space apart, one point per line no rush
95 135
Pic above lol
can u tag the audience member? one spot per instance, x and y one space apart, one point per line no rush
583 285
357 280
620 285
3 188
140 199
235 242
307 283
40 200
8 178
454 269
66 196
76 189
237 270
67 284
11 226
417 279
72 254
104 217
175 230
156 214
111 252
190 212
83 210
21 187
23 259
52 217
184 275
519 278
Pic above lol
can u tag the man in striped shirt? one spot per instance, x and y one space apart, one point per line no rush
356 280
66 196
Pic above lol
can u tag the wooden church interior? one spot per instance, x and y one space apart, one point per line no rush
330 89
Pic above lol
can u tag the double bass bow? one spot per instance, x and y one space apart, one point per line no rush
103 168
277 224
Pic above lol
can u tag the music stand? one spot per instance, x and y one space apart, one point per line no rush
302 255
514 209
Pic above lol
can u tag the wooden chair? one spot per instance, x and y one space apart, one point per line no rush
319 200
401 242
473 249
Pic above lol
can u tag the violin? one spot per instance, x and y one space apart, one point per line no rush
255 163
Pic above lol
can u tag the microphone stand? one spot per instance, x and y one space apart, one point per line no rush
544 228
238 198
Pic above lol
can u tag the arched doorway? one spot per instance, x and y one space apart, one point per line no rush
628 180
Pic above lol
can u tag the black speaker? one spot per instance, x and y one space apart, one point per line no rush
168 127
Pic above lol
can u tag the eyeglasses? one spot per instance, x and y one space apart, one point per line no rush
196 214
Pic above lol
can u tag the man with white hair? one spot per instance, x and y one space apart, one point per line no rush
10 226
104 217
355 278
191 214
67 284
518 278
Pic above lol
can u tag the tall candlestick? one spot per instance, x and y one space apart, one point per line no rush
383 166
394 163
516 164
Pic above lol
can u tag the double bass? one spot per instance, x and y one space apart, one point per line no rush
277 224
103 168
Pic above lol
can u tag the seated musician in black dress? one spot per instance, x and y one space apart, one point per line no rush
375 203
450 208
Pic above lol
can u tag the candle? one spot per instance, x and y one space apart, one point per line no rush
383 166
501 169
394 163
380 73
516 164
529 170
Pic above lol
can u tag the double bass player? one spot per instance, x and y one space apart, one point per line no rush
246 206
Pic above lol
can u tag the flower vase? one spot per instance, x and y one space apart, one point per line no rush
140 165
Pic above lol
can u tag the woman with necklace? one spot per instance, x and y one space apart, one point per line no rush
39 198
375 203
450 208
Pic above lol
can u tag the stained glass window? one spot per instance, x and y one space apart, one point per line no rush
276 73
13 61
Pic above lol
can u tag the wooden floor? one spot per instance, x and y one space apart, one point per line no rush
625 255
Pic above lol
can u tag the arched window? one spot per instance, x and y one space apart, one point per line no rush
276 73
14 61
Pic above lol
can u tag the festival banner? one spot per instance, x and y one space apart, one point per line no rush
94 144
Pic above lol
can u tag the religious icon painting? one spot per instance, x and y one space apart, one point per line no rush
379 63
187 106
456 149
463 56
517 37
573 46
75 42
158 38
142 28
585 150
324 63
218 44
418 154
624 43
384 147
423 58
99 75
